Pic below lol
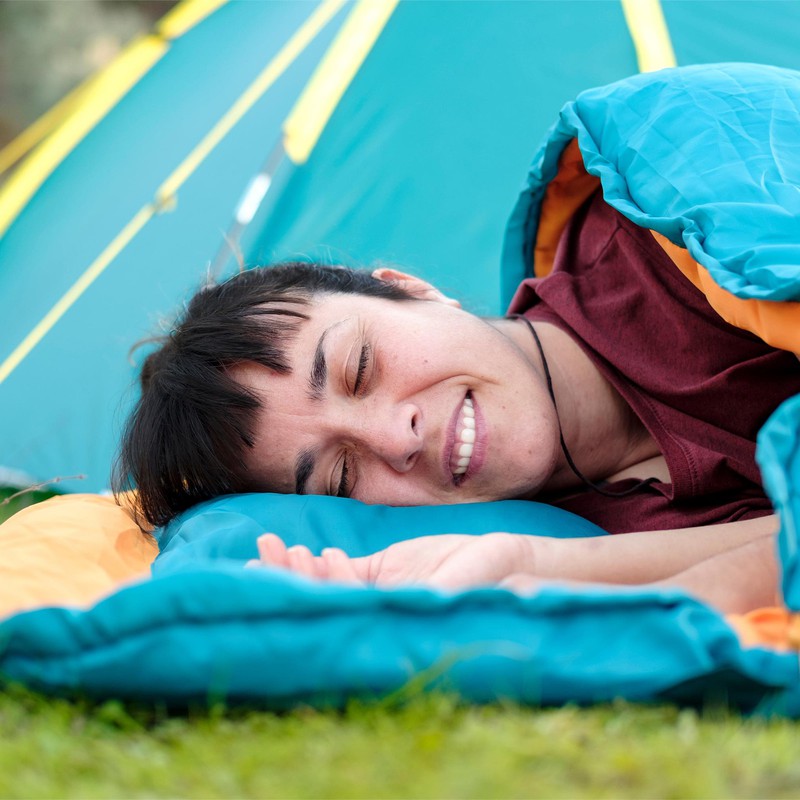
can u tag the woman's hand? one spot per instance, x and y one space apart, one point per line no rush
730 566
449 561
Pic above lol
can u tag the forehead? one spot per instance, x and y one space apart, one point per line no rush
287 423
287 410
298 341
323 304
325 311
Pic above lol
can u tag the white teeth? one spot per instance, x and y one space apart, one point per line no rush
462 451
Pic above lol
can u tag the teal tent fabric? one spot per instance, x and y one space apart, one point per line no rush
756 31
205 629
417 166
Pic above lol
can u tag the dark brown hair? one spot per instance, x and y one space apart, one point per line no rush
185 439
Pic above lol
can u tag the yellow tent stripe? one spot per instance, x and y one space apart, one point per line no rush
648 29
103 95
333 75
185 16
166 193
49 121
283 59
122 239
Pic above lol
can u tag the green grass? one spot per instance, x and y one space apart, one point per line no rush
429 747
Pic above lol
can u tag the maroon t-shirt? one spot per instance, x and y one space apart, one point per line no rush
702 387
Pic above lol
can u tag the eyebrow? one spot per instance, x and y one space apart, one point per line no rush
304 466
319 370
318 376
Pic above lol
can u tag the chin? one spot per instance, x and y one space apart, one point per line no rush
526 492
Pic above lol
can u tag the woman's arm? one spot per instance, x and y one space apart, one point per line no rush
456 561
734 581
636 558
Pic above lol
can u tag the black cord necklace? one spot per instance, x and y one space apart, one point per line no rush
599 489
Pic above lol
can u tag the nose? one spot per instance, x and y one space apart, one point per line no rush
394 436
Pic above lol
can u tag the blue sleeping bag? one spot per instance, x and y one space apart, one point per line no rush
204 629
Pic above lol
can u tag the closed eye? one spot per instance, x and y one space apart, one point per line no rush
363 363
343 490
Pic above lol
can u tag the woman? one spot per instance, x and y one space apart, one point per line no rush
321 380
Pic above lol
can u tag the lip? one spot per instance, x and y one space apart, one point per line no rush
478 449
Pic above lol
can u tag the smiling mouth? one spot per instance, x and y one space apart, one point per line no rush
464 445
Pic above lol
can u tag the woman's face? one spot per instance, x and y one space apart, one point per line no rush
402 403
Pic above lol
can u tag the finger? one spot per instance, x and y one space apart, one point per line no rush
272 550
254 562
301 561
339 566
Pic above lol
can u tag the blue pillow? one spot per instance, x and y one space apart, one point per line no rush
227 527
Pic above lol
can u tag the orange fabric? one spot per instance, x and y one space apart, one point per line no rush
778 324
564 195
70 551
776 628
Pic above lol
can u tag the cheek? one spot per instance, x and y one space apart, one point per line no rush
390 489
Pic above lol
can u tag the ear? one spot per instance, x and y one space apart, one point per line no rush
414 286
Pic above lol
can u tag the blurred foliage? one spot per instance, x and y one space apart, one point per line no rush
47 47
13 499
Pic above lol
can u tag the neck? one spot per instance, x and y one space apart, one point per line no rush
600 430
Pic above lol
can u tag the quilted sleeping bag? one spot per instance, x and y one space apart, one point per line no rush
708 158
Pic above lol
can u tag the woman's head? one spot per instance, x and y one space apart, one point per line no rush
332 381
